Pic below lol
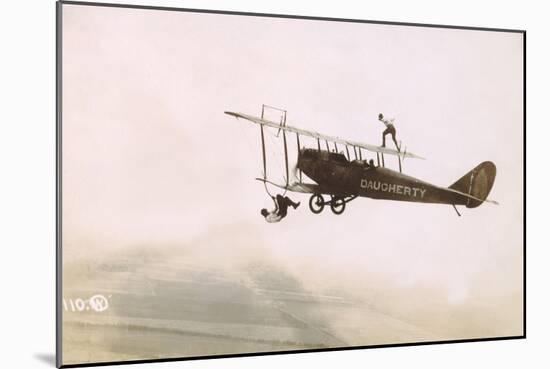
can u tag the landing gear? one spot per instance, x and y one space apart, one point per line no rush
337 203
316 203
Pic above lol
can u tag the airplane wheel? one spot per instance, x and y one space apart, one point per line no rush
316 203
337 205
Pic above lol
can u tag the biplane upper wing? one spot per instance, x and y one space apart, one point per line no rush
303 132
295 187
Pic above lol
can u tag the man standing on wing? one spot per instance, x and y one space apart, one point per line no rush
390 129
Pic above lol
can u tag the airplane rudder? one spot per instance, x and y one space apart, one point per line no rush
478 182
482 182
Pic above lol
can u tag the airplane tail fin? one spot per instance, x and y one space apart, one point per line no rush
478 183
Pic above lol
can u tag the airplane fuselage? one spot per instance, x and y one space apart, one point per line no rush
335 175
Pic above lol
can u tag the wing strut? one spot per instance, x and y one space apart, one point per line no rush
298 144
399 157
263 151
286 156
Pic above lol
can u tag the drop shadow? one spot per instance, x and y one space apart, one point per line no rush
46 358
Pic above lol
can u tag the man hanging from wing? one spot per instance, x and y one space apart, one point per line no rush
390 129
280 211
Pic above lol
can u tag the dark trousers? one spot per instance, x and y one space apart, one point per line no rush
389 130
284 203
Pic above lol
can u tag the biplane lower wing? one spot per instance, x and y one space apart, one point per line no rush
295 187
316 189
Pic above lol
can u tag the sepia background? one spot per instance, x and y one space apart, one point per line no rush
161 210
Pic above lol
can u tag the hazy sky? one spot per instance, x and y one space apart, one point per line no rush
150 158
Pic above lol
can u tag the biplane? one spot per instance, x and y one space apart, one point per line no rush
339 178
